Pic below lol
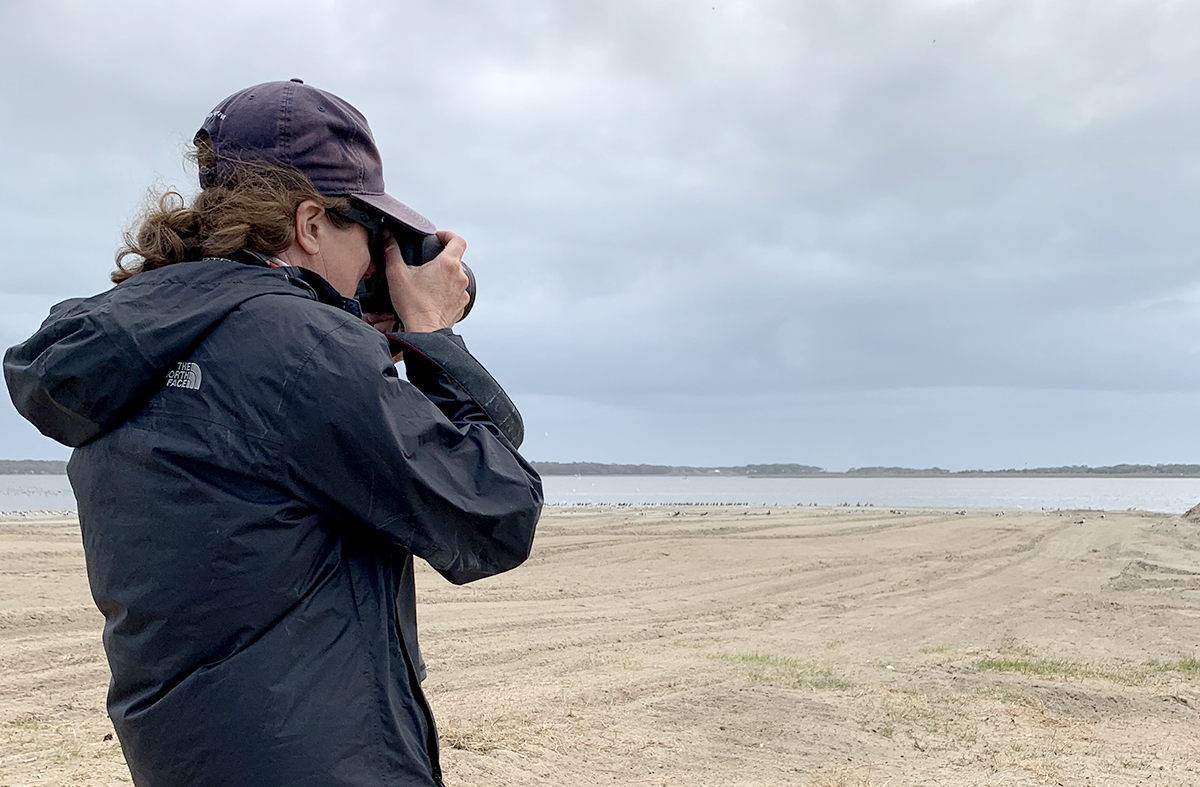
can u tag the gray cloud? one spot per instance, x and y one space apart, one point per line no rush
733 232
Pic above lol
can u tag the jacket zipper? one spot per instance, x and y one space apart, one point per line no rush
431 744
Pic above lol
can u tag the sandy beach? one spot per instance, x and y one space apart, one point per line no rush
734 646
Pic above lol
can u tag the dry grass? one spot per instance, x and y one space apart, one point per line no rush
785 671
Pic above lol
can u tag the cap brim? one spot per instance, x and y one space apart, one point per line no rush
397 211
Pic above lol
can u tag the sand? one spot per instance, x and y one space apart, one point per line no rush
735 646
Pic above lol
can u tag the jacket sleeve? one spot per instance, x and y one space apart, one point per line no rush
418 462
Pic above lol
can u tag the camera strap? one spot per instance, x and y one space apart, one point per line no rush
460 366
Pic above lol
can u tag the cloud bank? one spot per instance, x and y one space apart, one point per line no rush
952 233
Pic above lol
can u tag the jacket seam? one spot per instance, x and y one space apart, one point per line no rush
286 401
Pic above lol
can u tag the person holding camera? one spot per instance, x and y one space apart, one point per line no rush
254 478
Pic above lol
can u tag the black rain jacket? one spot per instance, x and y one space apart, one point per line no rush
254 480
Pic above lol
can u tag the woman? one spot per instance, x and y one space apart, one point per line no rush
253 476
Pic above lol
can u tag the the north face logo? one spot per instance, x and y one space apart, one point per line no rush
185 375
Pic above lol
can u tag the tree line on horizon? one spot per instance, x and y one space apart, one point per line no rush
33 467
59 467
598 468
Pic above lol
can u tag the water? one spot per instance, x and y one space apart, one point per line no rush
1173 495
36 493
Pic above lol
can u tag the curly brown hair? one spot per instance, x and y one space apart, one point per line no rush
253 208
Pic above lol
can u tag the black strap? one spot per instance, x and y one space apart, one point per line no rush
461 367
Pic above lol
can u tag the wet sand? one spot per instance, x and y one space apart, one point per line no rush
735 646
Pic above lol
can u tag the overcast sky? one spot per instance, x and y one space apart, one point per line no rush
835 233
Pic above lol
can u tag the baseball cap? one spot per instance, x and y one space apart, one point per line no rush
316 132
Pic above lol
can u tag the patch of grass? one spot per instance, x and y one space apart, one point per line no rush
468 742
1027 663
887 732
1126 675
681 644
847 779
1187 666
785 671
937 649
1034 666
1190 666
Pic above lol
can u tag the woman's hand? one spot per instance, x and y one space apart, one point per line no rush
432 296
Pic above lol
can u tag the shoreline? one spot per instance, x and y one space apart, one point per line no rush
705 473
963 474
780 508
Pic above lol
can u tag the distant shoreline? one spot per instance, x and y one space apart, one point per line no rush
983 474
33 467
59 467
808 471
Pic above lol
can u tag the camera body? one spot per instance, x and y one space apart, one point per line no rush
416 249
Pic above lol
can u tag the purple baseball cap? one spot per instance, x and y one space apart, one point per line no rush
316 132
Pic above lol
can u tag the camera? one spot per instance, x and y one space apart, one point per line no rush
416 249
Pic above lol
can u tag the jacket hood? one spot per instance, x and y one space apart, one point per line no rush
95 359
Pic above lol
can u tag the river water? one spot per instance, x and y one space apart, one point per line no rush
1174 495
35 493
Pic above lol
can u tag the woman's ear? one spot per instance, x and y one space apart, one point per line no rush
308 215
